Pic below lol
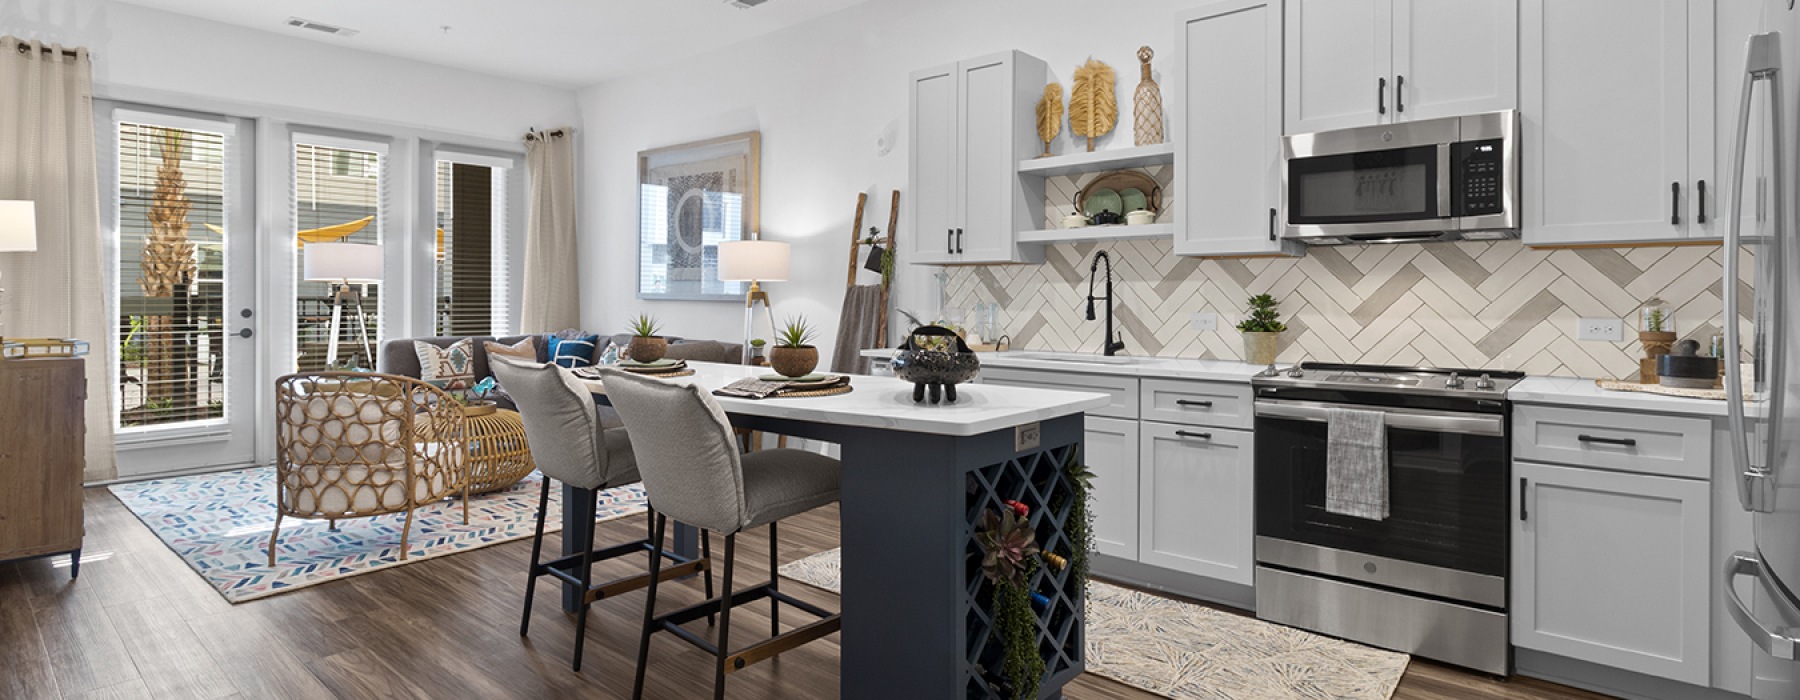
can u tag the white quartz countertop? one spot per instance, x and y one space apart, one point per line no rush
886 402
1582 393
1127 365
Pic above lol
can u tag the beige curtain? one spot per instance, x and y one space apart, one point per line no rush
47 156
550 295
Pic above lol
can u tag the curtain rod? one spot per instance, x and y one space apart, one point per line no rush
24 47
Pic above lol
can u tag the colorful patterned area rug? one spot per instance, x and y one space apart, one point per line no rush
1181 650
219 524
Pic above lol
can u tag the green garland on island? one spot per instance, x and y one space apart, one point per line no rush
1080 528
1017 625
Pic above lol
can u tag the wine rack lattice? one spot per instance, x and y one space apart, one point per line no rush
1040 481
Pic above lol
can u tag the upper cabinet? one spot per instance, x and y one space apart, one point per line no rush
1227 130
972 122
1361 62
1618 119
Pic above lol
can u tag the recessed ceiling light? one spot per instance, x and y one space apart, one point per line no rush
320 27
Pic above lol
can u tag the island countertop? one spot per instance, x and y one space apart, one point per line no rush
886 403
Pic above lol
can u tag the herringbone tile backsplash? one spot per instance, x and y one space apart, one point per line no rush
1490 305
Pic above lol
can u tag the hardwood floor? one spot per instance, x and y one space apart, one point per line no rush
139 624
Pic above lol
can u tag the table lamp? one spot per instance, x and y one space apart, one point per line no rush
18 231
754 261
344 264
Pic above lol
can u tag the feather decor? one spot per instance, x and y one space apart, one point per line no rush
1093 102
1146 106
1049 115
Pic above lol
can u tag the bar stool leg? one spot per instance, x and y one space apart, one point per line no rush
706 553
537 551
725 618
774 582
656 555
587 572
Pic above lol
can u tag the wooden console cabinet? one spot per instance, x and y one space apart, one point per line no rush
42 433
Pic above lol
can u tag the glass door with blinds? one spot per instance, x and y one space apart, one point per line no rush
471 259
176 192
339 202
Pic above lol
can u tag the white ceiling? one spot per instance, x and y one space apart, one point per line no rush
570 43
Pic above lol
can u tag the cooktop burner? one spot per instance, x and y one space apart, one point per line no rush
1441 381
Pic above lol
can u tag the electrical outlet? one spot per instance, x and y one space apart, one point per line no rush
1604 329
1203 321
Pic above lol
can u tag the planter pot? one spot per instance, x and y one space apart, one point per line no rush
647 348
794 362
1260 348
1657 343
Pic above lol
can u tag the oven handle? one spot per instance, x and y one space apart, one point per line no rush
1431 421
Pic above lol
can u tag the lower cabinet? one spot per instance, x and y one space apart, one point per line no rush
1112 455
1613 568
1195 495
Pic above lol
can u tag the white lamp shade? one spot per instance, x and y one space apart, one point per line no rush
356 263
18 225
753 261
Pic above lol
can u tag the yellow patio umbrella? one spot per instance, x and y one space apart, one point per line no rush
334 232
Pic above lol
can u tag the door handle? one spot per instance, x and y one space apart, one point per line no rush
1622 442
245 333
1187 434
1272 217
950 240
959 235
1524 487
1187 402
1778 641
1381 95
1762 62
1674 204
1700 191
1399 93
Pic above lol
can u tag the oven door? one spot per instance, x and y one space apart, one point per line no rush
1447 495
1370 184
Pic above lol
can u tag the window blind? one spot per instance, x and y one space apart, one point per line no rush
338 197
171 205
472 267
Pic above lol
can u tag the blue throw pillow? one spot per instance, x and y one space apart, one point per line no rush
573 352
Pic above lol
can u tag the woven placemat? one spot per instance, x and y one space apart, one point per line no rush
832 391
1618 385
677 373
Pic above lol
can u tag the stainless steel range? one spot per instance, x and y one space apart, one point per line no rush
1430 577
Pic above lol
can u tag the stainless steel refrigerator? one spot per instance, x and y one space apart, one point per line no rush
1764 409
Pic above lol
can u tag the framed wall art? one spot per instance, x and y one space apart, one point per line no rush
691 197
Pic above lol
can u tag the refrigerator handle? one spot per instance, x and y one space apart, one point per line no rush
1762 62
1778 642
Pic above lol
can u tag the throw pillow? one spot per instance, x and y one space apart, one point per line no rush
573 352
525 350
451 368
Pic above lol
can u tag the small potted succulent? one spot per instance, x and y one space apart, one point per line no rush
1262 330
757 346
646 346
793 354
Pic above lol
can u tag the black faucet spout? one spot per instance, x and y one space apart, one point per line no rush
1111 343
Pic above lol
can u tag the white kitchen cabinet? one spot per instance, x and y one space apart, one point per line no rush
1111 453
1617 103
971 123
1227 129
1362 62
1195 493
1613 568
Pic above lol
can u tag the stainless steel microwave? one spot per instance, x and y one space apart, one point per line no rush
1447 179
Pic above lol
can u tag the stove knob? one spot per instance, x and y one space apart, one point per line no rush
1454 382
1485 382
1295 372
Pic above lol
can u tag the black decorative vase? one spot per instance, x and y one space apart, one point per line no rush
935 359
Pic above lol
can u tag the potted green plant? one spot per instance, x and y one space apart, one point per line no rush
793 354
1262 329
646 346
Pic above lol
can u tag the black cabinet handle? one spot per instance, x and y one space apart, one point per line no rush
1522 487
1674 204
949 240
959 241
1622 442
1272 217
1399 93
1187 402
1701 186
1186 434
1381 95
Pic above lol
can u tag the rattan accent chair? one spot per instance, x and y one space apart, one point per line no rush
358 445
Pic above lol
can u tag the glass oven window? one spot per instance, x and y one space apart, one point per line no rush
1447 494
1394 185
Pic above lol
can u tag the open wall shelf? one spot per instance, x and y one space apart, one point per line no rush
1110 159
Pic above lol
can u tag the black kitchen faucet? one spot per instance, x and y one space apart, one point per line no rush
1109 345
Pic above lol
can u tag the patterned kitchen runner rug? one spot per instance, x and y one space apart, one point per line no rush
1181 650
219 524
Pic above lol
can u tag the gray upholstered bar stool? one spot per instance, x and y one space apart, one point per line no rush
568 444
694 473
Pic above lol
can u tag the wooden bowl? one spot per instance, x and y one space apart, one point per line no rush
647 349
794 362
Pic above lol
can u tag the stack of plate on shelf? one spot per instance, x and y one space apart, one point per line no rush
663 366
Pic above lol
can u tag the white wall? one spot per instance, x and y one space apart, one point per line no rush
821 93
143 51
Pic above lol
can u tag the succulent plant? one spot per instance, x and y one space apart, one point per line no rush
1008 545
1263 318
644 326
795 333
